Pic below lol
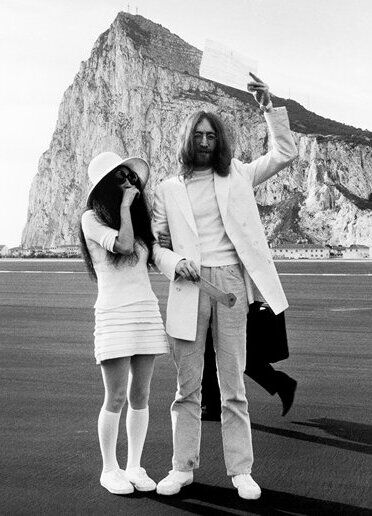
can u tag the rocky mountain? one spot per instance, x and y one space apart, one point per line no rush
131 96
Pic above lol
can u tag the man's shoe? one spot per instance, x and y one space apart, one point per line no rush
286 392
140 480
246 486
173 483
116 482
208 414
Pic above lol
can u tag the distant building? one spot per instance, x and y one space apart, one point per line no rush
357 251
16 251
34 251
296 251
4 250
336 251
65 250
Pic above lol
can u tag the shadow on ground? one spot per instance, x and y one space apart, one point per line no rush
209 500
358 434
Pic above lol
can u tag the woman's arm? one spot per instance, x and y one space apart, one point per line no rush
124 242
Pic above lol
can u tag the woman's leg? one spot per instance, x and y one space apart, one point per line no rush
141 370
115 378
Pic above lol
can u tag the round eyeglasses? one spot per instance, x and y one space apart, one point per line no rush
199 136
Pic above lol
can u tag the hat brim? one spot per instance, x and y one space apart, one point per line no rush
138 165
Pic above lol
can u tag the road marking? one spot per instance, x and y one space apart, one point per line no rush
325 274
154 272
43 272
350 309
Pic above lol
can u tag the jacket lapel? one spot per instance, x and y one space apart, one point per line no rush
184 204
222 188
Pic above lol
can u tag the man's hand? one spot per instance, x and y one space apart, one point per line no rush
187 270
259 90
164 240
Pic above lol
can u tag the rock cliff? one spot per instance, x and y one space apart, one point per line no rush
131 96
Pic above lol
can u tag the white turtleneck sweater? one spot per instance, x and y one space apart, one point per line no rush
216 247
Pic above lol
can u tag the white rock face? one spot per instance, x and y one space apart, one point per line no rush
131 97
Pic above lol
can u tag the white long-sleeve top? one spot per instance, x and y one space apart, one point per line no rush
118 285
215 246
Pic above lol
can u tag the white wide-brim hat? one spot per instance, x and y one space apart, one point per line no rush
106 162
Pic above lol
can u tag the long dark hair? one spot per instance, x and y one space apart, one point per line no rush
185 153
105 201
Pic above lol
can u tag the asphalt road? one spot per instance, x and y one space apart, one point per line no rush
316 460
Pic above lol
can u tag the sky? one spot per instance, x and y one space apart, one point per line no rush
317 52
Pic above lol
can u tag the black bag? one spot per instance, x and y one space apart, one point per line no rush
266 334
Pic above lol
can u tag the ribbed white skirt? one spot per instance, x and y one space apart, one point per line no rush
128 330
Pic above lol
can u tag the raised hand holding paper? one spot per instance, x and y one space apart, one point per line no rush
226 66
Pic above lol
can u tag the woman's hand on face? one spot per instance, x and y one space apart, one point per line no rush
259 90
164 240
130 192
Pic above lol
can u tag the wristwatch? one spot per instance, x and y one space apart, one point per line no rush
267 107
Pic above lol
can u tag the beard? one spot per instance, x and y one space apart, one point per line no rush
203 158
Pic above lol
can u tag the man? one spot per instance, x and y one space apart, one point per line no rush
211 215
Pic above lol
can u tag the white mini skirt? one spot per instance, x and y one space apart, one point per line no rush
135 329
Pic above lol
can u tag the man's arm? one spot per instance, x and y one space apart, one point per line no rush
165 259
283 150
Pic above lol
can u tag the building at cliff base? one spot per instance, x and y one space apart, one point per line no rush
4 250
357 251
296 251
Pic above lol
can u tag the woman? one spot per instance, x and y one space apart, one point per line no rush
117 242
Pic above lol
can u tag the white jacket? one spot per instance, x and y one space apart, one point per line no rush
235 197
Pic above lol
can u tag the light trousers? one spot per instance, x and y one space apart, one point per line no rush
229 338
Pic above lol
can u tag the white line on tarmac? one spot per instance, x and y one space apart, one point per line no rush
43 272
350 309
154 272
325 274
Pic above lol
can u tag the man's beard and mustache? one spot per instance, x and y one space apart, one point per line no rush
203 158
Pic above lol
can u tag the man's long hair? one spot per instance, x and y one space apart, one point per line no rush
105 201
186 150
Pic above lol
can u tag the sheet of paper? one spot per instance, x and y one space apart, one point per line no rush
226 66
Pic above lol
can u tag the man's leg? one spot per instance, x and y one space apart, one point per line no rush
229 336
185 410
263 374
274 382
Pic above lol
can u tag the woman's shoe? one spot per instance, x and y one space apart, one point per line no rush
139 478
116 482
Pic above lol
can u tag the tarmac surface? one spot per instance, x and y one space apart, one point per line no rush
316 460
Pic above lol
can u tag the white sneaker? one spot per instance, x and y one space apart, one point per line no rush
173 483
139 478
116 482
246 486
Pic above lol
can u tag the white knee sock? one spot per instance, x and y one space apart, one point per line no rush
108 426
137 423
